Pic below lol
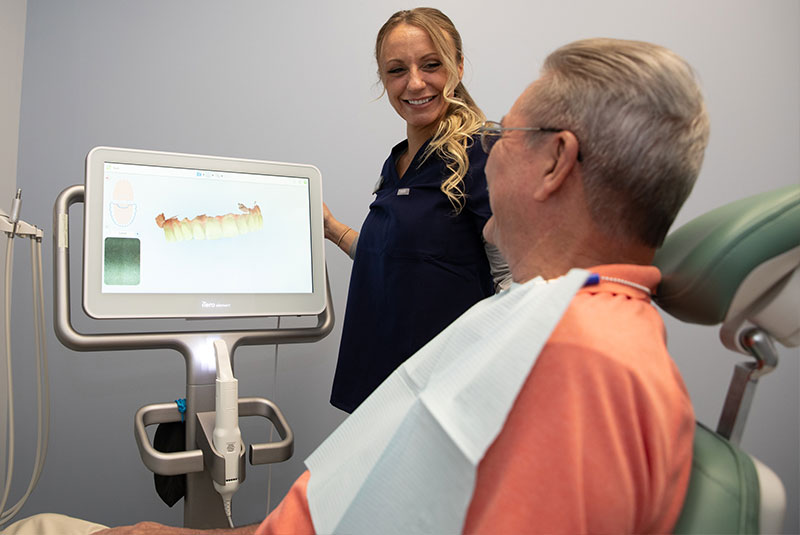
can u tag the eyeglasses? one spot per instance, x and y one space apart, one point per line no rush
491 131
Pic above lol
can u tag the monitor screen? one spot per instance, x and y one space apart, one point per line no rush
178 235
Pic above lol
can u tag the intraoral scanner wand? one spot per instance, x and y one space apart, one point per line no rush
227 437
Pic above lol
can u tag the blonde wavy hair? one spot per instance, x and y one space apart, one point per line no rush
463 117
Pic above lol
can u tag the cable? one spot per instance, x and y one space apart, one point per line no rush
10 394
272 428
227 503
42 381
45 364
16 206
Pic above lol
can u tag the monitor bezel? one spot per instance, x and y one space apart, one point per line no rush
101 305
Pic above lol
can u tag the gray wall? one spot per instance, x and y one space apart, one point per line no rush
12 42
296 82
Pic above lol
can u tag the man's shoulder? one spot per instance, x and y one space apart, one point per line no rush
611 330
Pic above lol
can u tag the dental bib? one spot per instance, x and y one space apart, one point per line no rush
406 460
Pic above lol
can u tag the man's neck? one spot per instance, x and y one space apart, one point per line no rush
550 260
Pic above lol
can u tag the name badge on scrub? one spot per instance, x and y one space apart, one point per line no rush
403 191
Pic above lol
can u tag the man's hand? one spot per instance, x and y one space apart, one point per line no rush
154 528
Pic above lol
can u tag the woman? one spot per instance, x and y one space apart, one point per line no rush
420 260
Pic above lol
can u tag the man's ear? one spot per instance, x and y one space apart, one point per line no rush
562 154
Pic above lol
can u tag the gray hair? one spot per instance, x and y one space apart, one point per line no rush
639 116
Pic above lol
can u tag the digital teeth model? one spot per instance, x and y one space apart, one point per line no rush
204 227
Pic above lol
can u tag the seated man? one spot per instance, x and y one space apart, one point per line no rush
588 170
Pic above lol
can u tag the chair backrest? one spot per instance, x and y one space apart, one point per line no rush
738 266
724 494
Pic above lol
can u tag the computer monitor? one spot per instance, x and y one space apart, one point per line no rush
171 235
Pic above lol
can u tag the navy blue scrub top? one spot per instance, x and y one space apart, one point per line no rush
418 266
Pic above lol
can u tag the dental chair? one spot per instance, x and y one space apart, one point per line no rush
738 266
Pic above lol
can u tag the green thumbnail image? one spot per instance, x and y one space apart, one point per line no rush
121 266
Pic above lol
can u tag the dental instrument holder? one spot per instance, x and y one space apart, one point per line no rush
200 462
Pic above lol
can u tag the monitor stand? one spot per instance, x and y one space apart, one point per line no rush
203 506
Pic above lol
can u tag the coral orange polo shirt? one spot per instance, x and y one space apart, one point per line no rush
599 439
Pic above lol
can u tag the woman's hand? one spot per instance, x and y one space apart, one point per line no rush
339 233
153 528
331 224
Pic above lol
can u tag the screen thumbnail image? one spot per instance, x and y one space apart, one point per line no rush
122 261
122 206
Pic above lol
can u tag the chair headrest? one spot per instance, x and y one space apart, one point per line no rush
734 262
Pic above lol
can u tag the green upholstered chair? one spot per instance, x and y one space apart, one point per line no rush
738 266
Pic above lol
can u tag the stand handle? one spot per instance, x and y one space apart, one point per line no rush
273 452
166 464
184 462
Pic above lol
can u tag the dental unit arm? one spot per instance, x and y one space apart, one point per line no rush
14 227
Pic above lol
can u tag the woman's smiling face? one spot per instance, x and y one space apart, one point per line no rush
414 77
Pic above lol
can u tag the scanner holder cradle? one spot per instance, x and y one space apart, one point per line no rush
206 455
201 463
